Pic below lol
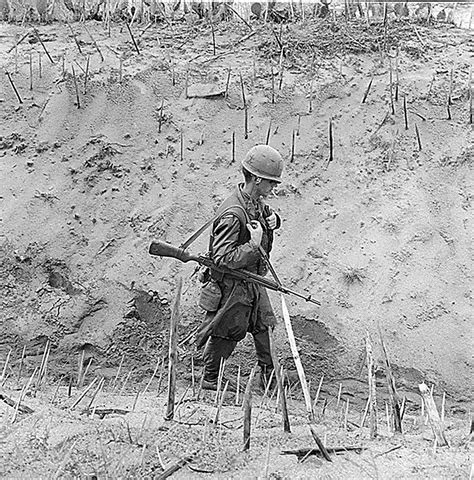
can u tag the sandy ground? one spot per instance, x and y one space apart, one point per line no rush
382 235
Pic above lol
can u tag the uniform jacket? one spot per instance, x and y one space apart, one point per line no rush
244 307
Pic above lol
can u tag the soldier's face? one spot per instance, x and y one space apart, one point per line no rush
265 187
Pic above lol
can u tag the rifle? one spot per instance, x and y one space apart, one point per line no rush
163 249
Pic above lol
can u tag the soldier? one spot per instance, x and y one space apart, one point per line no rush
244 227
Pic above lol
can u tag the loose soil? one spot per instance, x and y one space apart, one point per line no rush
381 235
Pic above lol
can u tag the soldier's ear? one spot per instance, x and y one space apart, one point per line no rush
258 180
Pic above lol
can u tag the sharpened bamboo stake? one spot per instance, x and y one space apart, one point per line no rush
76 87
339 395
5 367
220 375
366 94
280 82
320 444
43 45
273 84
220 403
172 352
160 118
193 376
84 393
247 405
94 42
18 403
118 373
346 414
331 143
317 392
181 145
69 387
40 69
392 105
213 33
448 108
23 354
31 70
226 95
443 406
122 390
147 386
244 101
80 369
392 389
237 390
433 415
292 146
269 130
405 113
96 393
418 138
19 41
397 76
233 147
133 38
297 359
372 388
75 37
86 74
14 87
279 381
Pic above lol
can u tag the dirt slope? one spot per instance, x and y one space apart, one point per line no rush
383 234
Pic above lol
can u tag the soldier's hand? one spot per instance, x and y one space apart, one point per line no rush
272 221
256 231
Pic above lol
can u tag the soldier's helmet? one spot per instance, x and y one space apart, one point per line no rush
265 162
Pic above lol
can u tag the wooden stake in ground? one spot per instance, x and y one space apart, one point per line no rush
172 352
405 113
160 118
75 37
448 107
23 353
244 101
297 359
213 33
392 389
233 147
366 94
95 43
40 67
133 38
14 87
31 70
418 138
279 381
292 146
272 73
247 405
226 95
372 388
320 444
86 74
433 415
181 145
43 45
331 144
269 130
392 105
76 87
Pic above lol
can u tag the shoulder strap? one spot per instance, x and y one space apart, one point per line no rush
203 228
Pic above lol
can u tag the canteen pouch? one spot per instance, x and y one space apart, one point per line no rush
210 297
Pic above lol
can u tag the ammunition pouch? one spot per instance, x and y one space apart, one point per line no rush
211 296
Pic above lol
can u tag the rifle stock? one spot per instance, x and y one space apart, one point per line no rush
163 249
